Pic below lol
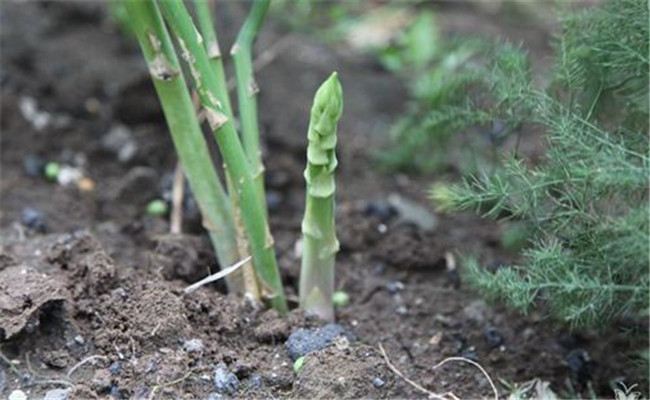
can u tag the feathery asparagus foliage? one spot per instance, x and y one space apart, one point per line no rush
320 244
587 203
440 73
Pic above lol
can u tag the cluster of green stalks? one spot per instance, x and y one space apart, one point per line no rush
235 216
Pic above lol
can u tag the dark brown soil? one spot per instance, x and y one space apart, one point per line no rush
96 305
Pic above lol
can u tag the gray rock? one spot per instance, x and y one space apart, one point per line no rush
56 394
225 381
33 219
413 213
394 286
214 396
193 346
115 368
478 311
304 341
378 382
119 140
17 395
255 381
402 310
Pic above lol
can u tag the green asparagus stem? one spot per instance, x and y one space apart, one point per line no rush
246 274
211 44
247 89
318 227
172 91
235 161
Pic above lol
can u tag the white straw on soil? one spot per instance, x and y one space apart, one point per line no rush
215 277
474 363
85 361
413 383
178 192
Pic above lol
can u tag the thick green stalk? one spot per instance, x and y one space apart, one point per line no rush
318 226
247 89
235 161
211 45
188 139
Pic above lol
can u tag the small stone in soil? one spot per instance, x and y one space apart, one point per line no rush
470 354
225 381
56 394
394 286
193 346
34 165
579 364
379 269
274 200
17 395
413 213
119 141
304 341
402 310
477 311
492 337
115 368
119 292
378 382
33 219
255 382
380 209
214 396
115 392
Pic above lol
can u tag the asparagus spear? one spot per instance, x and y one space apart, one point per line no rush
245 276
247 89
320 244
184 127
235 161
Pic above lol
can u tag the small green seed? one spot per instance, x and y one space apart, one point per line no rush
157 208
340 299
297 365
52 170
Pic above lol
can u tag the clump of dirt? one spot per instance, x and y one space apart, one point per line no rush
344 371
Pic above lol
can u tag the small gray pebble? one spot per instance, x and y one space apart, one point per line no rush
379 269
56 394
394 286
402 310
215 396
115 368
255 382
274 200
378 382
225 381
193 346
304 341
33 219
115 392
34 165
